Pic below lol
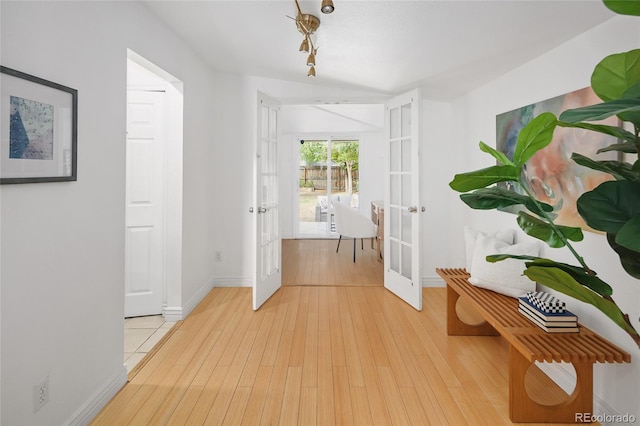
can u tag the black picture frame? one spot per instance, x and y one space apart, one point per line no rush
38 129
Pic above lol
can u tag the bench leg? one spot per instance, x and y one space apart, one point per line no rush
523 409
456 327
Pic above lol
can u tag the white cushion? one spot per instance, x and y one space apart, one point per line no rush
470 236
505 276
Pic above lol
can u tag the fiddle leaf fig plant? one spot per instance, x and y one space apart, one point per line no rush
613 207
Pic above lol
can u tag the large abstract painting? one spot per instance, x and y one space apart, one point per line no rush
551 175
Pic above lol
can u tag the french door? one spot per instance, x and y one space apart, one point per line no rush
267 242
402 198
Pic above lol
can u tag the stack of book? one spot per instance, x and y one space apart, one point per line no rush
548 313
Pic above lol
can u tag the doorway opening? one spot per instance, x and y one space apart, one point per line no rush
153 209
328 174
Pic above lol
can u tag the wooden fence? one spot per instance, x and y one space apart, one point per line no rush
316 177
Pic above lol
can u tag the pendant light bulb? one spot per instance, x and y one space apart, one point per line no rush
327 6
304 46
311 60
312 72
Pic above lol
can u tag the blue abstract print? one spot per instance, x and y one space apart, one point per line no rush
30 130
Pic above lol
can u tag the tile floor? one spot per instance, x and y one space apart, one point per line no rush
140 336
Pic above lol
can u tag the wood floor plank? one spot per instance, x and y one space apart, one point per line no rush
310 363
342 396
361 407
352 357
184 409
290 407
308 414
237 406
275 393
326 403
393 397
258 396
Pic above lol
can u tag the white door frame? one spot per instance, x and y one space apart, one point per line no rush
173 309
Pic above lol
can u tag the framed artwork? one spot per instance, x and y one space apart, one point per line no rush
551 175
39 129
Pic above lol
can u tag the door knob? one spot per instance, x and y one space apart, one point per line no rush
262 210
413 209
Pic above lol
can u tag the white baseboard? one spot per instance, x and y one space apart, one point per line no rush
99 399
232 282
173 314
432 282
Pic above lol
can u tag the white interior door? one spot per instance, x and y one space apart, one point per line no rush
144 203
402 203
267 277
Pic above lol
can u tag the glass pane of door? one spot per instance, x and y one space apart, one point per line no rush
313 196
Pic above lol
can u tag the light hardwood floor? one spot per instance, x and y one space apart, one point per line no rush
319 355
315 262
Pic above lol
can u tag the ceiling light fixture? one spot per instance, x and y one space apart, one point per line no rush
327 6
307 25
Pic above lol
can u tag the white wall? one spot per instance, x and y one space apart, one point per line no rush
559 71
439 153
63 243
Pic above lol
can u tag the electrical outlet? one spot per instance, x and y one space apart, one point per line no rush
40 394
218 256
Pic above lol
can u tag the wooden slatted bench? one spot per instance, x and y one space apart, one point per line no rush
529 343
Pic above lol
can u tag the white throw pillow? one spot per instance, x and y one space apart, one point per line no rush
470 236
505 276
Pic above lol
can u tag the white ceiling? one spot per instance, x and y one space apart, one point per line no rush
446 47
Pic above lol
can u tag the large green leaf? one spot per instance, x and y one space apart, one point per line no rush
496 198
626 147
624 7
498 257
629 235
545 232
561 281
629 259
615 74
499 156
536 135
601 111
578 273
482 178
617 132
610 205
619 170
